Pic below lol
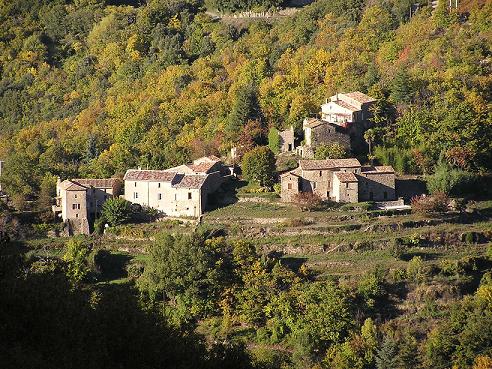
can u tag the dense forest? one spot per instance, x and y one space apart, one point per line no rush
90 88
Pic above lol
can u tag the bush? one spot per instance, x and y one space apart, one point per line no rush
274 140
451 181
116 211
416 269
308 201
330 151
259 165
437 203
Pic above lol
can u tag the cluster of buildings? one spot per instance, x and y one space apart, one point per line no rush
339 180
180 191
183 191
343 119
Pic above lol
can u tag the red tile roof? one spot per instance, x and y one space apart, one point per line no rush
345 105
149 175
204 167
346 177
360 97
194 181
328 164
81 184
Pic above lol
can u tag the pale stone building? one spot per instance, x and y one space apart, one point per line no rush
79 201
340 180
178 191
344 119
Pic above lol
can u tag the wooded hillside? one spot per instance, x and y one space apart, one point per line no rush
93 87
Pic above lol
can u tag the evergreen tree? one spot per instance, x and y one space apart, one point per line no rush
245 107
387 355
401 87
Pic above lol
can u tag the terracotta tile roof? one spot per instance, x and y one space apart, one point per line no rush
345 105
98 183
328 164
313 122
194 181
296 172
360 97
69 185
346 177
149 175
202 167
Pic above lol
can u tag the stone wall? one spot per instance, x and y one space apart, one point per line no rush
376 186
289 187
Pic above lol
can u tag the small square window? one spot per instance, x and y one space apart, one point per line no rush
76 215
75 196
289 186
189 195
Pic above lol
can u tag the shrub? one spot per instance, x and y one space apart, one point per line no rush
259 165
416 269
451 181
307 201
75 256
274 140
116 211
437 203
330 151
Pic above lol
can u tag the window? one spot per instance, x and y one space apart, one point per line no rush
320 173
135 195
74 206
78 206
289 186
189 195
159 185
76 215
135 184
159 196
75 196
175 197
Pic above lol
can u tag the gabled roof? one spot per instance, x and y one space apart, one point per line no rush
149 175
82 184
97 183
378 169
192 181
203 167
69 185
328 164
345 105
296 172
313 122
360 97
346 177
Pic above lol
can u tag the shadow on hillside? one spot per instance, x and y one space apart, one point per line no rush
226 195
110 266
424 255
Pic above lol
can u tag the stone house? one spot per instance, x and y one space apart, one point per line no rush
178 191
318 132
344 119
287 140
340 180
79 201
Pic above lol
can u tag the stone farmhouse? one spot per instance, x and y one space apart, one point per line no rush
339 180
179 191
344 119
80 200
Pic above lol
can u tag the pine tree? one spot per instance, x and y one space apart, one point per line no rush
387 355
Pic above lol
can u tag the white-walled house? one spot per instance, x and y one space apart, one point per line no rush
178 191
